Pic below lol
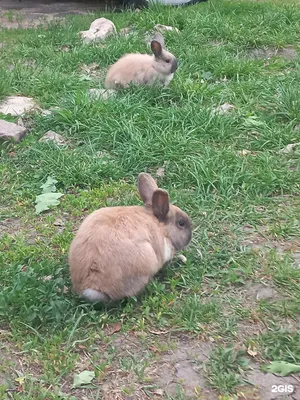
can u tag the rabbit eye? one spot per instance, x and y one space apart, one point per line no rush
181 223
168 61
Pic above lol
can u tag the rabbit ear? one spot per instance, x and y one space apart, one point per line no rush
156 48
146 188
160 204
159 38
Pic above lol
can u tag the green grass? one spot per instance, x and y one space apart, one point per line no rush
207 174
225 366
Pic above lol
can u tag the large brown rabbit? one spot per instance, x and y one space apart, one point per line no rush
117 250
143 69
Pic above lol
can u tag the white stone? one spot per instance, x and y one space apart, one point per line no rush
11 131
100 29
53 136
289 148
88 36
224 108
163 28
17 105
104 94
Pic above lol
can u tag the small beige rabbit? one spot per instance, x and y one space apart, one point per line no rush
117 250
143 69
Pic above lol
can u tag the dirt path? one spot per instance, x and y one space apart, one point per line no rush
28 13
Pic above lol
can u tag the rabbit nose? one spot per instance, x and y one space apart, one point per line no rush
174 66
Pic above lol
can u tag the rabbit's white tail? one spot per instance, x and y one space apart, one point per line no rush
92 296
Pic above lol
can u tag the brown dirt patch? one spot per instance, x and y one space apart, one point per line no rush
287 52
260 291
11 364
30 13
172 365
184 367
15 226
258 241
148 367
157 366
267 384
9 226
176 363
6 360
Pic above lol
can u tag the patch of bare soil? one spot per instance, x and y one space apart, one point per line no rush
11 365
271 386
9 226
5 360
259 242
150 368
260 291
248 296
30 13
158 366
183 367
287 52
177 367
15 226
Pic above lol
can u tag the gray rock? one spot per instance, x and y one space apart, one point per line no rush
53 136
11 131
17 105
224 108
287 52
163 28
100 29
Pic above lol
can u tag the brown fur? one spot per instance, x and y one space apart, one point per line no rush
143 69
117 250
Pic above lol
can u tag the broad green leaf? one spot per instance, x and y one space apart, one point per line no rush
283 368
49 185
84 378
46 200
